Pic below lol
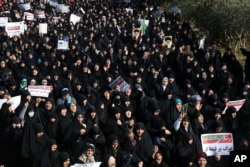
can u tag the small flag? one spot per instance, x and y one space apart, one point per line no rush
142 31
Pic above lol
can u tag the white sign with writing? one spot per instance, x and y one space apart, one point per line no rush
94 164
237 104
28 16
39 14
43 28
14 28
39 90
213 143
3 21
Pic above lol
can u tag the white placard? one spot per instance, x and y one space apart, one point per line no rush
94 164
14 28
14 101
39 90
3 21
62 8
63 43
39 14
53 3
213 143
43 28
28 16
24 6
74 18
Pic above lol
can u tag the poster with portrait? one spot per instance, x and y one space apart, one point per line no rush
167 42
63 43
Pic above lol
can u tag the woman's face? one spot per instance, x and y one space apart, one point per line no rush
92 114
115 145
158 158
185 123
72 107
54 147
80 118
64 112
179 107
89 152
200 118
140 132
128 114
202 162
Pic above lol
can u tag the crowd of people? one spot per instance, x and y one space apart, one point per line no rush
177 89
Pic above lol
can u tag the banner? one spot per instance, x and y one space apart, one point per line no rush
39 14
74 19
14 28
237 104
61 8
24 6
94 164
39 90
213 143
63 43
14 101
43 28
53 3
28 16
3 21
121 82
57 19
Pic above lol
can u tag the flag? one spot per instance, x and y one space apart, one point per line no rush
142 31
143 27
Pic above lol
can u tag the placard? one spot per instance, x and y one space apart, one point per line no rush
121 82
63 43
94 164
213 143
43 28
53 3
236 103
14 101
14 28
39 14
24 6
39 90
61 8
3 21
28 16
74 18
